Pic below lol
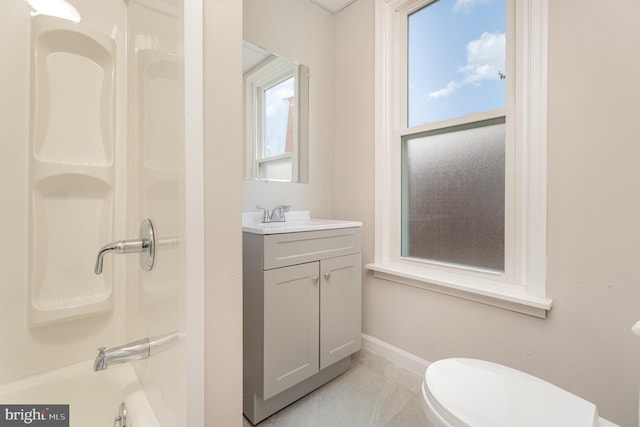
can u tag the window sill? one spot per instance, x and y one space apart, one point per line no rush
506 296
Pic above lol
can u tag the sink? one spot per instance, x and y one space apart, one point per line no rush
297 221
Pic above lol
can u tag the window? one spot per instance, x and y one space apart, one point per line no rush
461 149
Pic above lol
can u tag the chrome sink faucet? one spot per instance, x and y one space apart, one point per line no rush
275 215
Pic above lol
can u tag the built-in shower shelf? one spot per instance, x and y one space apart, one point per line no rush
72 177
69 303
73 93
157 76
45 170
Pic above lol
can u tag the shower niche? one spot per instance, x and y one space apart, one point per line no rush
72 176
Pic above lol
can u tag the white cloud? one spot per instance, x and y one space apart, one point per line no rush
467 5
485 59
445 91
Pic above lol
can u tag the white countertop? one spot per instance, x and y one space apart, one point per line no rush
297 221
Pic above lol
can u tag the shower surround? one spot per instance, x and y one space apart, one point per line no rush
93 142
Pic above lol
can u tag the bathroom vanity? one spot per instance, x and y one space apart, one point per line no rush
302 298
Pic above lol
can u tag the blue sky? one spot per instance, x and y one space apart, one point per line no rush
456 52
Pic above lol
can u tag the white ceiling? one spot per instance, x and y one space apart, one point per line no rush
333 6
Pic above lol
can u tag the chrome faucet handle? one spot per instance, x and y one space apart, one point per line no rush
266 216
145 246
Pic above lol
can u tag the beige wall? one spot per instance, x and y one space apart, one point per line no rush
302 32
585 344
353 119
223 201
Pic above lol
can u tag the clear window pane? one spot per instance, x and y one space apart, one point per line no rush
453 195
456 51
279 106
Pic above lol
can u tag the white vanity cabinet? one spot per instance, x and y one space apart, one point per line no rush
302 299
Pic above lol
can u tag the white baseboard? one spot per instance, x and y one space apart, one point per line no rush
394 354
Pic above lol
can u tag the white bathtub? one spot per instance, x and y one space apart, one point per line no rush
93 397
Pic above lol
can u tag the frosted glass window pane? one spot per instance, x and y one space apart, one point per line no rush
453 195
456 59
279 105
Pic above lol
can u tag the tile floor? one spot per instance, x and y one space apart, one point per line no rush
373 393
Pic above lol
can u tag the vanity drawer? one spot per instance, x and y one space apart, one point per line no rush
285 249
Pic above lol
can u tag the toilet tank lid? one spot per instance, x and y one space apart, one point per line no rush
479 393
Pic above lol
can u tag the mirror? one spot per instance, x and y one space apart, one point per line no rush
276 116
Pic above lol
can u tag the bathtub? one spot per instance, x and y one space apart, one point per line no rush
93 397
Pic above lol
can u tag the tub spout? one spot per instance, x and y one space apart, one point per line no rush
125 353
136 350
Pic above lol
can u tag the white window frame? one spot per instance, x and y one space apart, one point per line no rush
269 74
522 287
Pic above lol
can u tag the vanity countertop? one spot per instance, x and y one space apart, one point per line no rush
297 221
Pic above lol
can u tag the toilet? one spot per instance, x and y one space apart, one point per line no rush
476 393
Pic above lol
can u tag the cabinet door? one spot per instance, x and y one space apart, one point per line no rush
291 326
340 302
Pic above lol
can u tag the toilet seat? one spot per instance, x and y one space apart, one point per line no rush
477 393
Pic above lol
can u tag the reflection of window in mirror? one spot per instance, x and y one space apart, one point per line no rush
276 118
275 131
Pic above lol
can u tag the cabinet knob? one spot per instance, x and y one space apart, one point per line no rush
327 275
314 279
